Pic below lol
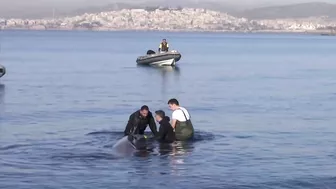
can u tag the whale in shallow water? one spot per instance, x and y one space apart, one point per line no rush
124 147
129 145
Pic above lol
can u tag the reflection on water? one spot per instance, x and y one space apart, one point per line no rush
2 97
261 124
163 69
182 148
175 154
167 73
179 151
171 161
142 153
176 149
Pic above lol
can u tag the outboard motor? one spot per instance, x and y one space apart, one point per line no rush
2 71
150 52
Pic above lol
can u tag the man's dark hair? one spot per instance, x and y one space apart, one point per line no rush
144 107
173 101
160 113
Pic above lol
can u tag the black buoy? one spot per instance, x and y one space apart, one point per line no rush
2 71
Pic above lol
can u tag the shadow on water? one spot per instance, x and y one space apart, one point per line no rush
99 147
116 135
177 148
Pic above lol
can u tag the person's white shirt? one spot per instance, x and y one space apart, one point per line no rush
179 116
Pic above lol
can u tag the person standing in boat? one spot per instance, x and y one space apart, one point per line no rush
181 123
164 46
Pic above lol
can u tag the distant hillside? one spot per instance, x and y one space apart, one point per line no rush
96 9
302 10
212 5
34 12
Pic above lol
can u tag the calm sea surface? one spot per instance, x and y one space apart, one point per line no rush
263 105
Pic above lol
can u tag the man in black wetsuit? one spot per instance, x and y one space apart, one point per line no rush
166 133
139 120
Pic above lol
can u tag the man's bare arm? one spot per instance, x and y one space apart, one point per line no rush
173 123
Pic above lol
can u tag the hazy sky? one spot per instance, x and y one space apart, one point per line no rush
18 7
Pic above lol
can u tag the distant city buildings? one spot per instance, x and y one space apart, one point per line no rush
178 19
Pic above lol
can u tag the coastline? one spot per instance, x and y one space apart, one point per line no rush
310 32
183 20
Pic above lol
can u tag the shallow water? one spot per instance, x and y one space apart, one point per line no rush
263 106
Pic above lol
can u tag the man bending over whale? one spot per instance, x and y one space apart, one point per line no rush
139 120
166 132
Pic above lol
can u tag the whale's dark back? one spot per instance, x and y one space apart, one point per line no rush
130 144
140 142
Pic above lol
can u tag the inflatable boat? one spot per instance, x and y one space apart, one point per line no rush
159 59
2 71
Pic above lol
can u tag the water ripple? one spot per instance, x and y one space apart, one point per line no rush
263 107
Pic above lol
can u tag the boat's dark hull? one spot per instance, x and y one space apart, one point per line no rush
328 34
2 71
161 59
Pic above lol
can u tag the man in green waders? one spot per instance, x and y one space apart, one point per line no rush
181 122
